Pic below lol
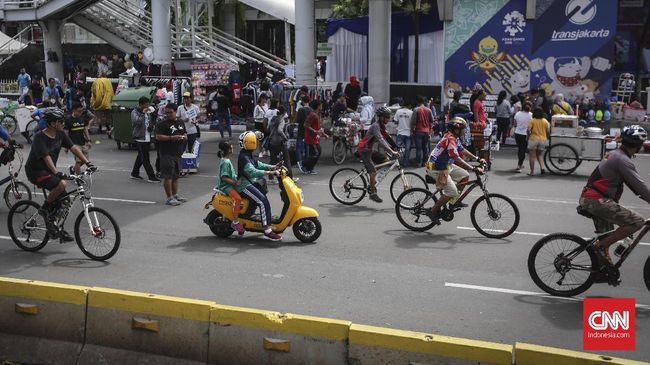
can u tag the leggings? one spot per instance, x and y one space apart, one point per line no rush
522 145
236 203
256 197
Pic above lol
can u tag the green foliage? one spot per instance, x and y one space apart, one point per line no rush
352 8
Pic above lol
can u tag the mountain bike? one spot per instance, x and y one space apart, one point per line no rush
16 190
563 264
95 230
8 121
493 215
349 186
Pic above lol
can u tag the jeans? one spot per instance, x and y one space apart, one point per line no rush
142 160
404 141
421 147
503 124
522 145
313 154
191 138
224 120
300 149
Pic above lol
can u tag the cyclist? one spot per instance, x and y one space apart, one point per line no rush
445 162
377 133
40 167
5 137
604 188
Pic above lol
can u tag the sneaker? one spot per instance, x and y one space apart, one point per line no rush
136 177
313 172
180 199
153 180
272 236
172 201
158 175
237 227
376 198
296 179
64 236
299 163
305 172
435 218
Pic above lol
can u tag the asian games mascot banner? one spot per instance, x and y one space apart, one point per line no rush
568 49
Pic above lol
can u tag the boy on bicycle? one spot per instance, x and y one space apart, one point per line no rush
376 133
445 161
41 164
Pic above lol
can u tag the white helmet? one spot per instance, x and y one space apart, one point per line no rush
634 135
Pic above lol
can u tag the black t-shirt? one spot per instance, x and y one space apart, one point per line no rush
223 103
171 128
353 94
42 146
338 109
76 126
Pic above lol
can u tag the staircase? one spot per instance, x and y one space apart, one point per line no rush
36 10
16 44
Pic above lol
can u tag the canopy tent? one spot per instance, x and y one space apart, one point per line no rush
9 45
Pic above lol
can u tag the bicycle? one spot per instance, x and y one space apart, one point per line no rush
349 186
346 136
574 265
30 231
16 190
7 120
501 213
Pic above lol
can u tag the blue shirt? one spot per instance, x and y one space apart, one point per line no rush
41 122
4 134
23 80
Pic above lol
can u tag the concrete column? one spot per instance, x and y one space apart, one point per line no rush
52 43
287 41
379 50
161 32
305 35
228 18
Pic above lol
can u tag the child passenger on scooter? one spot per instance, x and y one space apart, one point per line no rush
228 183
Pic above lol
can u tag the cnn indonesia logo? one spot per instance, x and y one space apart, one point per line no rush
609 324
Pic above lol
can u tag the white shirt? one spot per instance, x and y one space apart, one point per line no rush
191 113
269 114
169 96
521 120
403 119
259 113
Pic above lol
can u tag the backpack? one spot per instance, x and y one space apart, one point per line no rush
275 138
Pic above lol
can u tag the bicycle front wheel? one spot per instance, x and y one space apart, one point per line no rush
348 186
412 209
27 227
496 216
9 123
16 192
562 264
101 241
411 180
339 152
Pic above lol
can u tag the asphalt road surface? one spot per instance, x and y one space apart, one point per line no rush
365 267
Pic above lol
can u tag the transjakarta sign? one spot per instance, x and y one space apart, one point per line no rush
580 12
579 34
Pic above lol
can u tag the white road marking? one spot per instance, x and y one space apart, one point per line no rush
529 233
5 238
521 292
118 200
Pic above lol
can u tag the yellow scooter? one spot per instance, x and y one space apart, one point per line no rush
306 226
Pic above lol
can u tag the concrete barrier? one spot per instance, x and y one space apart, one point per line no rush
137 328
375 345
41 321
527 354
246 336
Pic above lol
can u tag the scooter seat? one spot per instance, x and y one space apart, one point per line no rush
217 191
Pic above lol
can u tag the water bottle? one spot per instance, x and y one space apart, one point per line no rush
381 174
627 241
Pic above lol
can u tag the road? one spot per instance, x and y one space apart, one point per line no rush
365 267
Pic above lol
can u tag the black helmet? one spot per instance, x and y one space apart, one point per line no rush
634 135
383 112
52 115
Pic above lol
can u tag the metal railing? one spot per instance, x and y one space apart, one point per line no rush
17 4
16 44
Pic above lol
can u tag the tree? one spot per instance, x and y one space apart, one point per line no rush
353 8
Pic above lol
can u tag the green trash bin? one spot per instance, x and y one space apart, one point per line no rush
123 104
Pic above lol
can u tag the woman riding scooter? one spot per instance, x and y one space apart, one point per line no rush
249 170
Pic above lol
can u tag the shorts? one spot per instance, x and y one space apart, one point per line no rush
84 149
608 213
170 167
44 179
103 117
456 175
537 145
366 157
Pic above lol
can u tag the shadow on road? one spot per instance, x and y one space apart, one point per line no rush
409 239
340 210
548 176
17 260
235 245
80 263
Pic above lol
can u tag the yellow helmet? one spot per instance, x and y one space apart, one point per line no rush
248 141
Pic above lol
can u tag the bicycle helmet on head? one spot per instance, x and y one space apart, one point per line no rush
383 112
457 122
634 135
52 115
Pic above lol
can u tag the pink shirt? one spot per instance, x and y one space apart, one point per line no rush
480 112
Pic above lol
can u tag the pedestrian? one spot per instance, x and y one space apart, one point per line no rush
313 132
353 93
479 124
339 108
171 135
560 106
37 91
538 132
278 140
521 133
51 93
24 80
102 67
188 113
100 102
301 118
421 124
142 124
404 136
503 116
228 183
223 110
259 116
77 125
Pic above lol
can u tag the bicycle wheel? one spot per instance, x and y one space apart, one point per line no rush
498 216
102 241
16 192
561 159
412 209
646 273
9 123
562 264
412 179
31 127
339 152
27 227
348 186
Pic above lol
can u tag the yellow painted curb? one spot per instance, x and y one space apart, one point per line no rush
459 348
331 329
41 290
161 305
527 354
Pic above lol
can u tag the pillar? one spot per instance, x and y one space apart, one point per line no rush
379 50
305 35
287 42
228 18
161 32
52 44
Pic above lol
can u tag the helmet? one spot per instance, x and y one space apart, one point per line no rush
457 122
383 112
634 135
52 115
248 141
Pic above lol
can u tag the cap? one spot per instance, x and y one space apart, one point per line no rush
187 94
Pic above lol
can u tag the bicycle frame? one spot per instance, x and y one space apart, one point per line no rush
13 176
77 194
478 182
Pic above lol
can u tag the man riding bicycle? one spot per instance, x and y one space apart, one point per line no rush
604 188
377 133
445 162
40 167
